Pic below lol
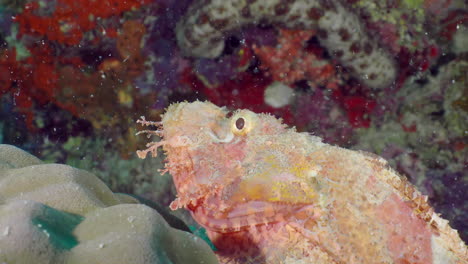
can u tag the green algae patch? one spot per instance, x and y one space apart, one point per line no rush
58 226
414 3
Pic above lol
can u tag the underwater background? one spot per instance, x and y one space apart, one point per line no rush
76 75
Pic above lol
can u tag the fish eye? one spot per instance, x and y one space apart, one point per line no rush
243 122
240 122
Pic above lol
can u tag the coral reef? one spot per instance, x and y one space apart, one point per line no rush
289 61
124 57
78 57
52 213
69 20
299 59
202 32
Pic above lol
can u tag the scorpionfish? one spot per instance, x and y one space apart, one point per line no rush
268 194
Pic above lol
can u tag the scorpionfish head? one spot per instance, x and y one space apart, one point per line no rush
227 165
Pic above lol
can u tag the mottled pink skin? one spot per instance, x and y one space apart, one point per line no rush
413 237
267 194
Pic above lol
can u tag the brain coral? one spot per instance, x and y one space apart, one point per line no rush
52 213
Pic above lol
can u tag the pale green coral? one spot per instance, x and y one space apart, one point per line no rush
413 3
52 213
408 31
460 40
456 98
21 51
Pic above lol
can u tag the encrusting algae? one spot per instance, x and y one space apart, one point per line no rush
268 194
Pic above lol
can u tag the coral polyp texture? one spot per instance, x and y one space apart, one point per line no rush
268 194
53 213
202 32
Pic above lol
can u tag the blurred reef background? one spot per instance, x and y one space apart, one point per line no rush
76 75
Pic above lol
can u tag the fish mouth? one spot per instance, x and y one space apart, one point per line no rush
251 214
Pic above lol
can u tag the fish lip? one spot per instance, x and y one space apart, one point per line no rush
244 219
